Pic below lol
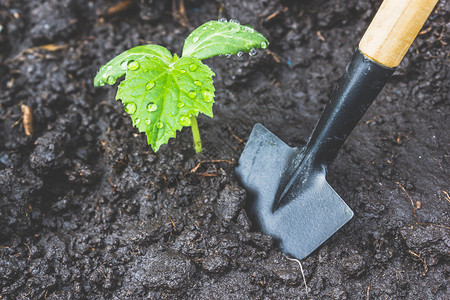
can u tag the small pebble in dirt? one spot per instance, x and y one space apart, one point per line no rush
353 265
49 151
230 202
215 263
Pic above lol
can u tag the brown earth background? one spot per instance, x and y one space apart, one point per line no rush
88 211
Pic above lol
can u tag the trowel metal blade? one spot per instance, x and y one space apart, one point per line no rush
304 223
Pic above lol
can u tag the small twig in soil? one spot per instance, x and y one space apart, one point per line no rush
412 201
418 205
104 275
319 34
29 251
426 30
182 169
275 14
220 13
33 50
29 289
274 56
301 270
16 122
173 224
440 36
446 195
215 174
119 7
438 163
113 186
425 266
216 244
179 13
27 115
234 135
368 292
50 47
194 170
374 119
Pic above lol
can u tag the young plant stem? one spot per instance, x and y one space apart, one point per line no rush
196 135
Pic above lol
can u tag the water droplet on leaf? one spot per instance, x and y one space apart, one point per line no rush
240 53
147 121
180 104
137 121
192 94
228 55
195 39
185 121
207 96
263 45
249 29
130 108
182 71
222 20
198 83
160 124
133 65
111 80
235 21
152 107
123 65
150 85
253 52
193 67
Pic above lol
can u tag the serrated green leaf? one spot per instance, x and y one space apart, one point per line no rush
215 38
161 97
116 68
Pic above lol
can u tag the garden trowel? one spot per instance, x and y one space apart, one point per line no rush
289 197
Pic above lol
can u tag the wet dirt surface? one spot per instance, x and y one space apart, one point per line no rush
88 211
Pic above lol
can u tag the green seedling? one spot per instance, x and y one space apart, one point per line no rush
164 93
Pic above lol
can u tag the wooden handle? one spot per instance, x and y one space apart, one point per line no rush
393 29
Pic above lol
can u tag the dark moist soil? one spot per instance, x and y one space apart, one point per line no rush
88 211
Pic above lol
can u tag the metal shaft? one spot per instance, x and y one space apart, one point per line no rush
363 79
